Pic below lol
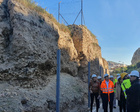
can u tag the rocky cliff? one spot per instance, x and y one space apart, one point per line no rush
136 57
28 45
88 49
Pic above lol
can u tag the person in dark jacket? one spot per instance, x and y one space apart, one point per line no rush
133 93
94 88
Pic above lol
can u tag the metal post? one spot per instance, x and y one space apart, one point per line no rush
81 12
88 84
100 71
64 19
77 17
59 11
58 80
106 71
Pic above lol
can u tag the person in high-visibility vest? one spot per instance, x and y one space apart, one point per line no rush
107 88
126 84
133 93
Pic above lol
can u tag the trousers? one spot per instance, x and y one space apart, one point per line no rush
105 102
92 96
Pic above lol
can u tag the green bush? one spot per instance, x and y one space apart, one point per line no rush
127 69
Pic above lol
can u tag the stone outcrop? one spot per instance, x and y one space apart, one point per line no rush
136 57
88 49
104 66
28 46
86 44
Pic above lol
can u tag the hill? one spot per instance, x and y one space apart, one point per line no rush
113 65
127 69
136 57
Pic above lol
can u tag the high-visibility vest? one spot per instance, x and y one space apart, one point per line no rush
108 90
126 84
115 81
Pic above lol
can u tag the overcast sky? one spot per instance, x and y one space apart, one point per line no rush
116 23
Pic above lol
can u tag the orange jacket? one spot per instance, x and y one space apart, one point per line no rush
109 90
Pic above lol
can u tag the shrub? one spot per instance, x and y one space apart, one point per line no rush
127 69
64 28
90 32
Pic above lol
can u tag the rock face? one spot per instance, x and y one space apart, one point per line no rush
72 96
26 43
136 57
88 49
28 46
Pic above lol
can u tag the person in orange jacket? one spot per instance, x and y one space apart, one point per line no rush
107 88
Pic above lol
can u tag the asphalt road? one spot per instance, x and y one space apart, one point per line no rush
101 109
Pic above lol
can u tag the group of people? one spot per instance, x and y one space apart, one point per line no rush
125 88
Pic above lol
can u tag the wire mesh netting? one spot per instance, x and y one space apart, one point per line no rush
69 10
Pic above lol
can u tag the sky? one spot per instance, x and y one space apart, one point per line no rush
115 23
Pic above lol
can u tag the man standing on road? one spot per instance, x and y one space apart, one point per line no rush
133 93
94 88
107 88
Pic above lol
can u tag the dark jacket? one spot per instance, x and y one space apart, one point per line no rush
94 86
133 97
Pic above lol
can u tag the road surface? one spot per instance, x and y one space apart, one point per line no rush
101 109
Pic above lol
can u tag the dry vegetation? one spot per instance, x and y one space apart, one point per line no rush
31 4
90 32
